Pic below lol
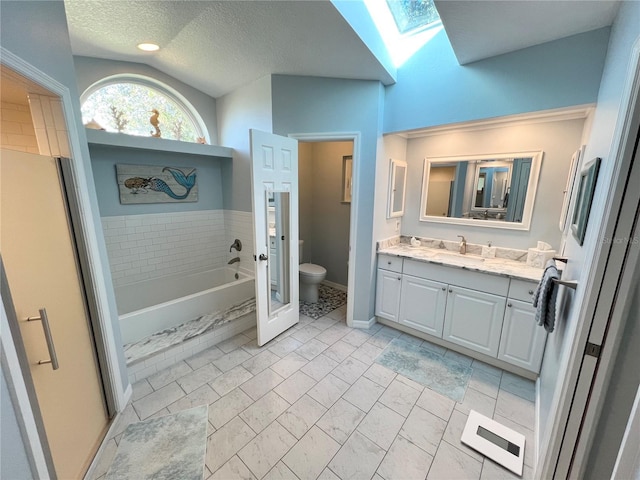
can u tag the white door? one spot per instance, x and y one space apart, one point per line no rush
274 181
422 304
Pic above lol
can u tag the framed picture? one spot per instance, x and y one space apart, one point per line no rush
347 178
586 187
568 190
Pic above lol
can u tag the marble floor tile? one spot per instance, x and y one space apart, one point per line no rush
339 351
252 333
309 457
312 349
339 313
363 394
405 461
359 457
356 338
253 348
264 411
332 335
518 386
263 452
407 381
485 367
381 425
226 442
381 339
453 434
493 471
350 370
230 380
423 429
451 463
285 347
391 332
327 474
126 417
324 322
227 407
201 396
261 361
158 400
288 365
319 367
306 333
280 472
485 382
234 342
171 374
405 337
367 353
328 390
475 400
207 356
196 378
399 397
295 387
516 409
436 403
104 462
379 374
234 469
301 416
140 389
261 384
341 420
231 360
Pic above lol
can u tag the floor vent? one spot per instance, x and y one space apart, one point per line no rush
494 440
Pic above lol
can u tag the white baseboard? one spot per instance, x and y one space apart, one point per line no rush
337 286
366 324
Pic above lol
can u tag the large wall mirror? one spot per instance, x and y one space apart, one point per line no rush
278 266
496 190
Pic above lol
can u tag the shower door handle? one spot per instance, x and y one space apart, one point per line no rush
53 358
263 257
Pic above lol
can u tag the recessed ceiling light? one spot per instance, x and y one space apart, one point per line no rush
148 47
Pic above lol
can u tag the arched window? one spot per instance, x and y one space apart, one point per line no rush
142 106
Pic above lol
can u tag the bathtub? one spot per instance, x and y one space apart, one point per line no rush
154 305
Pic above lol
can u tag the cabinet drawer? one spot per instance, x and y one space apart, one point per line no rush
522 290
387 262
483 282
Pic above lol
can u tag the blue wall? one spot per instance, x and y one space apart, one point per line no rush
433 89
312 105
104 159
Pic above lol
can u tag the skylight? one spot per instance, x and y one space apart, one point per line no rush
411 15
404 25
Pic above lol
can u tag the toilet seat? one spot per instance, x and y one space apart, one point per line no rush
312 270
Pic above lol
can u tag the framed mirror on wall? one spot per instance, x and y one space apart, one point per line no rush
569 188
494 190
397 187
582 208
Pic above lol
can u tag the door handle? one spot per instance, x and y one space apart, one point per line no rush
53 358
263 257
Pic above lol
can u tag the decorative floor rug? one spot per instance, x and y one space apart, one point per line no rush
439 373
163 448
329 299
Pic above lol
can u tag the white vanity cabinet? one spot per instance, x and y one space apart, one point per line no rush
485 313
389 280
522 341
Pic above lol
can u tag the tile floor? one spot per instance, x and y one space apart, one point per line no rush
313 404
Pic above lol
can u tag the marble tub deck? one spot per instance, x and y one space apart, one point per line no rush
165 339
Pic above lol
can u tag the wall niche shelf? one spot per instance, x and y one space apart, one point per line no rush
100 137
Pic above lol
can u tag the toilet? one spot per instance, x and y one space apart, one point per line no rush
310 277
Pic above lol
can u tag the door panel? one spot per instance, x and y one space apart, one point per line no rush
422 305
42 271
388 294
522 341
274 168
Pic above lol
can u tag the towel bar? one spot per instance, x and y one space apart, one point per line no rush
566 283
561 259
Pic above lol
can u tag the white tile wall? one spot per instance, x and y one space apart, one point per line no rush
17 131
143 247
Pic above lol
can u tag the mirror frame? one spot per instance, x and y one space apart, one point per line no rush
393 167
532 187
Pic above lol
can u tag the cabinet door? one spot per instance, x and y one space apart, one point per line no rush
422 304
522 342
474 320
388 294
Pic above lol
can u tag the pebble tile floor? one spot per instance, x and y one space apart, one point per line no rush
313 404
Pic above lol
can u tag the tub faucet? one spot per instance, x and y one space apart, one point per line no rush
237 244
233 260
463 245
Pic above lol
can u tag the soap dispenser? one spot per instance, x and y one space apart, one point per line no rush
488 251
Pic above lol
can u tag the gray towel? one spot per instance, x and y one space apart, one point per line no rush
544 298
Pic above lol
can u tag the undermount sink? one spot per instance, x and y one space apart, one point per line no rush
458 258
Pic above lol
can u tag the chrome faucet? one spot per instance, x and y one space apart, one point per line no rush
486 214
233 260
463 245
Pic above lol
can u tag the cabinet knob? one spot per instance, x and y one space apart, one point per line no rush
444 289
530 292
450 291
388 263
509 305
399 278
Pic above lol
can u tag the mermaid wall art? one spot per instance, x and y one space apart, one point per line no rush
156 184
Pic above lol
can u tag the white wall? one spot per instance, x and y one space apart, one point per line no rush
558 140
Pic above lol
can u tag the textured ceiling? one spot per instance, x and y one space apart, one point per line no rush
483 29
218 46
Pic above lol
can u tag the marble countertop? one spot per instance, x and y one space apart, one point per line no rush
495 266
